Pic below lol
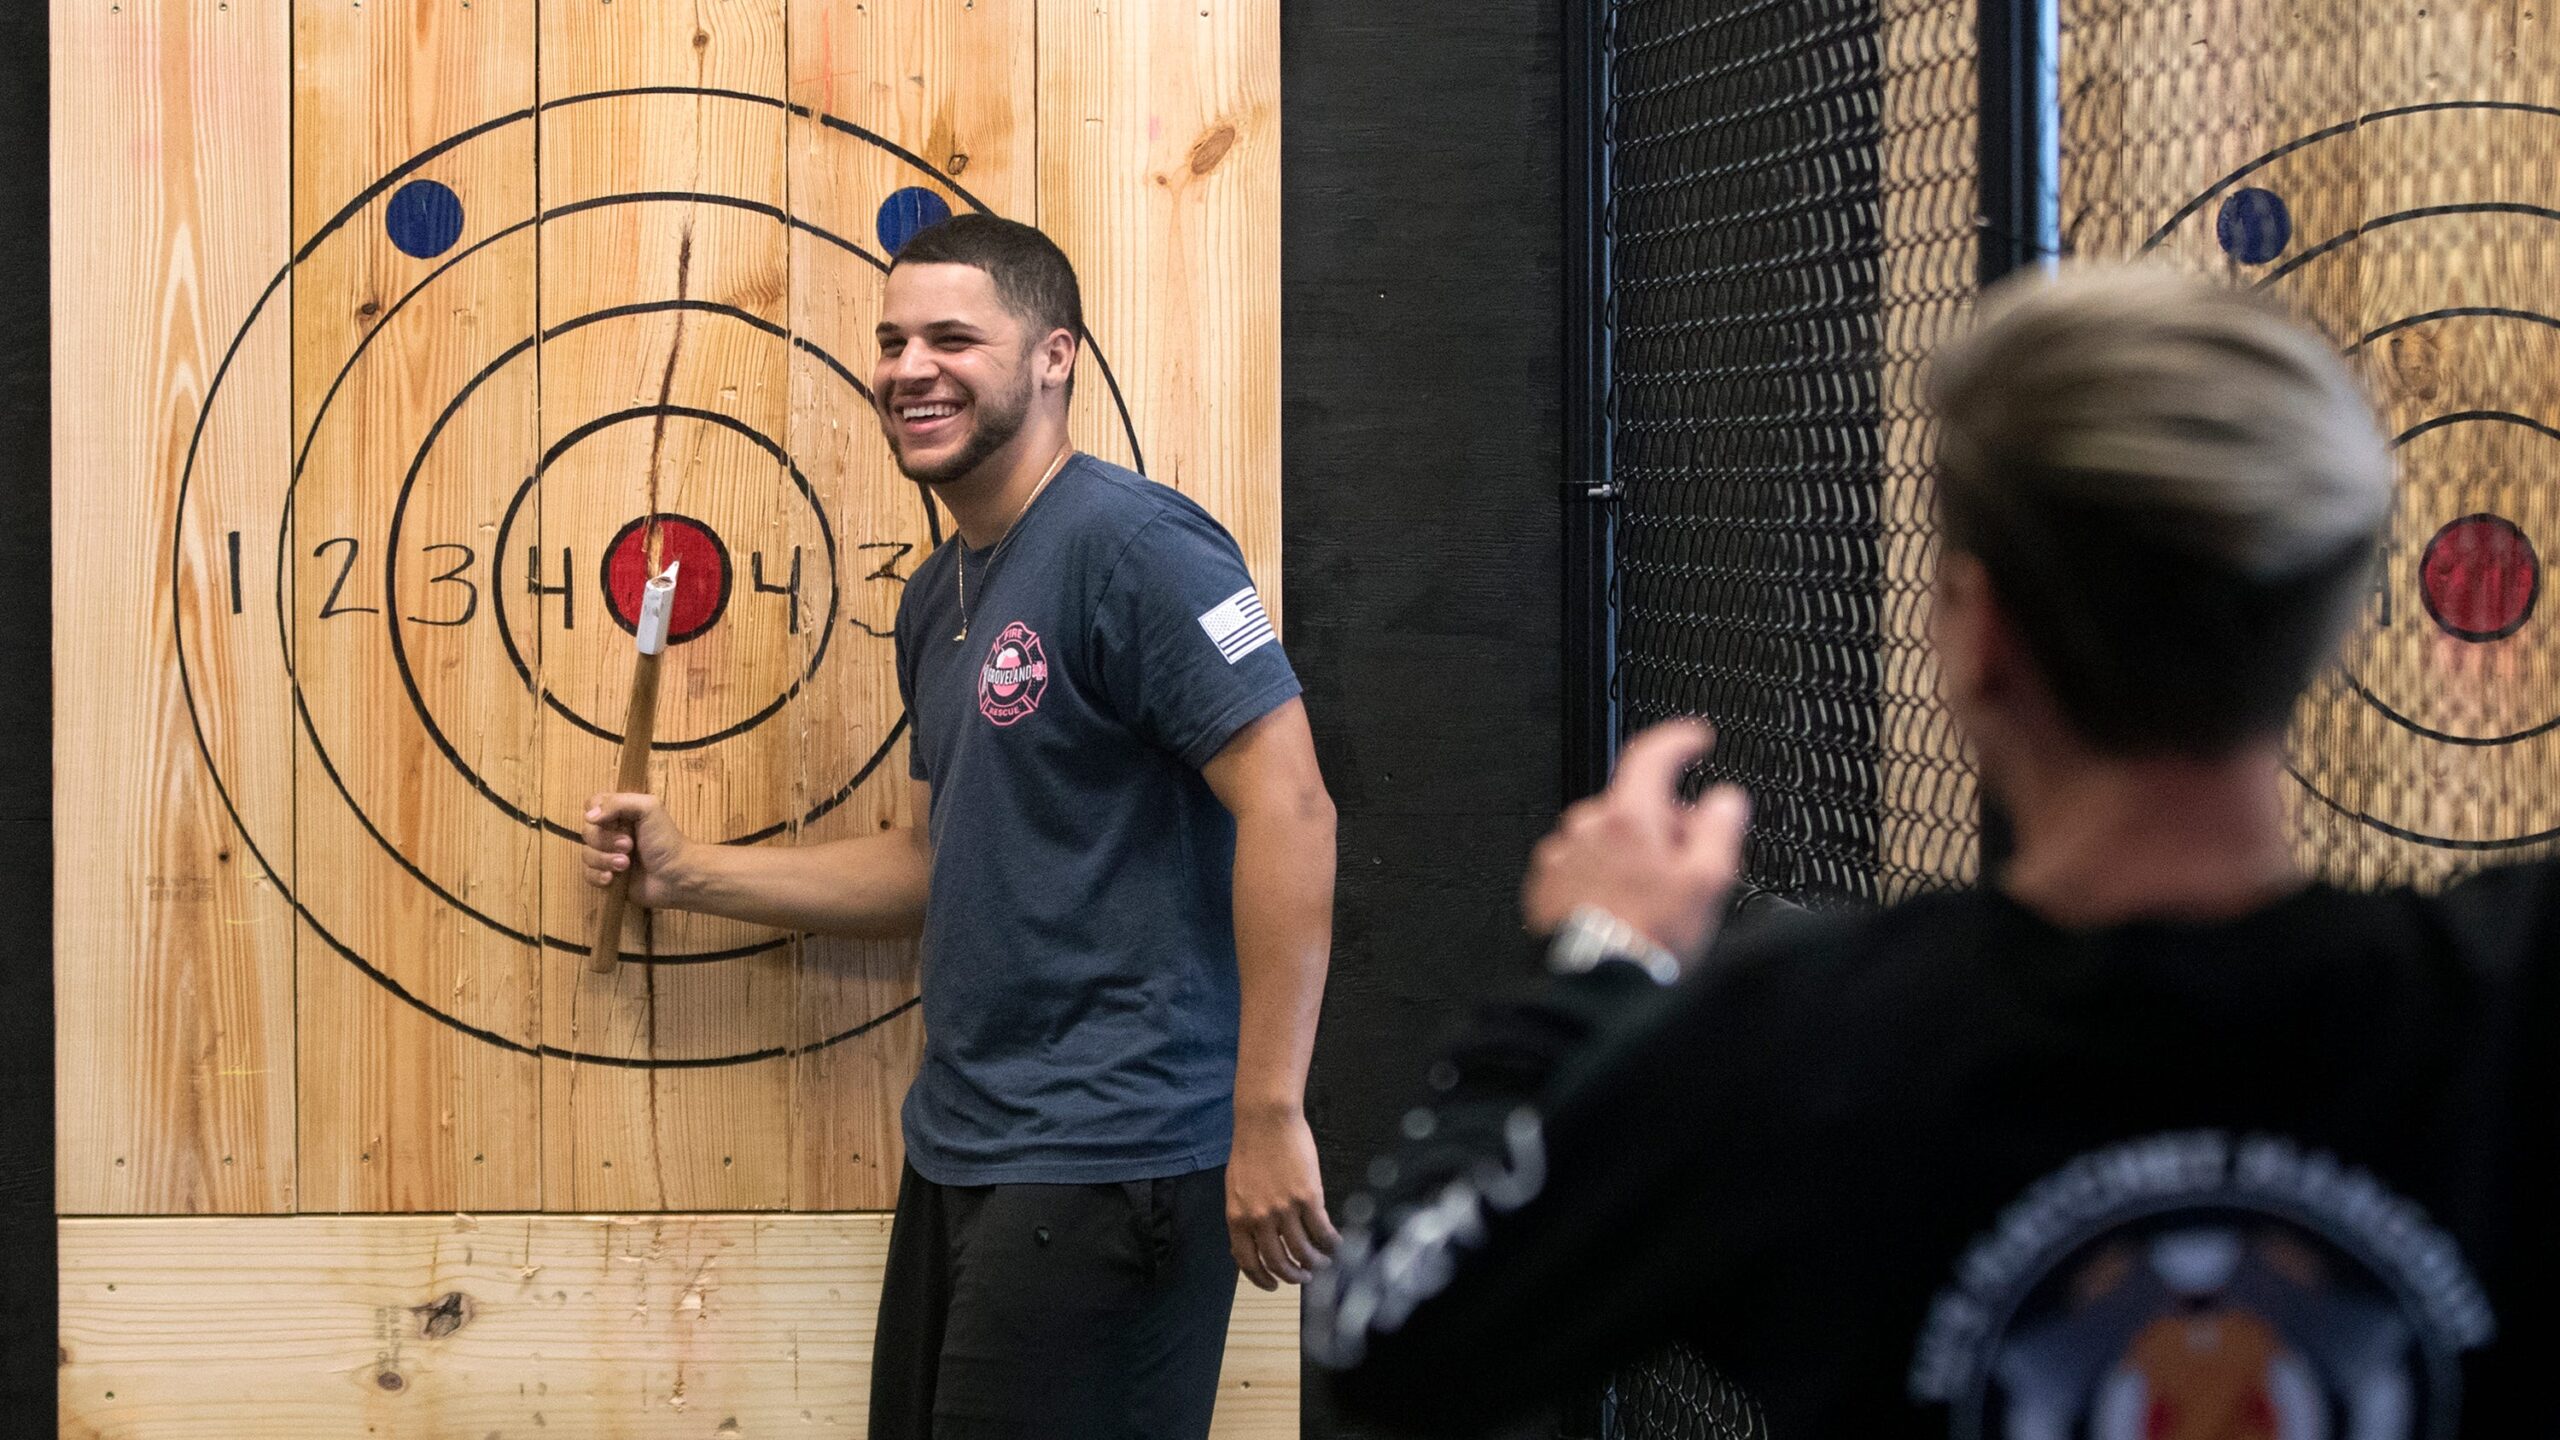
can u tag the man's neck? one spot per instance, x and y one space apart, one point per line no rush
987 501
2106 839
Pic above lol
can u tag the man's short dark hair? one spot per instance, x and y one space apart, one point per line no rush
1032 275
2176 490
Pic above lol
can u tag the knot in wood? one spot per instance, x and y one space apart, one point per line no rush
444 1316
1211 148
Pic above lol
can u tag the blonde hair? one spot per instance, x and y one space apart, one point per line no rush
2176 488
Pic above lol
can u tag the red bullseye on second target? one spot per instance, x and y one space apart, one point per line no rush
2480 577
702 585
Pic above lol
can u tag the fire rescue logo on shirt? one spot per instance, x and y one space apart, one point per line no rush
2195 1285
1015 676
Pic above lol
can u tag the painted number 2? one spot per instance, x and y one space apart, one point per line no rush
331 607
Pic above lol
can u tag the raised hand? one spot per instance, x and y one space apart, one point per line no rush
1637 852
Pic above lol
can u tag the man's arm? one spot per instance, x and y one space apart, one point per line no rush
1267 777
1524 1236
872 885
1571 1189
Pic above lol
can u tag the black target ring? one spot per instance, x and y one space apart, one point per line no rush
2354 684
515 653
425 712
180 567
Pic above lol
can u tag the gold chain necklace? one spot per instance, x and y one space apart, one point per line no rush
961 569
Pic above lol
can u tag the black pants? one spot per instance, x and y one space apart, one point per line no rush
1062 1312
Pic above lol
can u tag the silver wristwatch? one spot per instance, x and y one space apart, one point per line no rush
1590 935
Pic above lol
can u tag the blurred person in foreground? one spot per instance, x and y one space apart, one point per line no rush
2149 1135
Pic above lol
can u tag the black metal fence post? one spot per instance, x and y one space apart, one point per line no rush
2021 198
1587 495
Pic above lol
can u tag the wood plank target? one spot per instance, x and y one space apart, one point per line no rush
1159 176
389 569
172 438
666 391
530 273
2390 174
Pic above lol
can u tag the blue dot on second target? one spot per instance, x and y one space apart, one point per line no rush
424 218
2253 226
906 212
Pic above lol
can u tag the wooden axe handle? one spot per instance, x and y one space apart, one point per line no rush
631 777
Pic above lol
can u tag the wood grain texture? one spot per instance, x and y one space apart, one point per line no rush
2403 237
399 1110
439 1326
949 84
1160 177
618 1137
704 306
173 945
2345 747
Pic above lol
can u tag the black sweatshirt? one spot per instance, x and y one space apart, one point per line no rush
1952 1170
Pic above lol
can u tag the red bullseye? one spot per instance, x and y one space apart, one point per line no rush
2480 577
702 585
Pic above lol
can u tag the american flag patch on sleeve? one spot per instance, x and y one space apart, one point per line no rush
1237 625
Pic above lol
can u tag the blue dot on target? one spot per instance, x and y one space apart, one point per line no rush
2253 226
906 212
424 218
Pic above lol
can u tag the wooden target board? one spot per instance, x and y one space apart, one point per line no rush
380 330
2394 175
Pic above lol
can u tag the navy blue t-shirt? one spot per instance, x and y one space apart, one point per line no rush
1080 992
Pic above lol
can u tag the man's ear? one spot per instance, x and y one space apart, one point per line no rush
1986 671
1057 357
1969 630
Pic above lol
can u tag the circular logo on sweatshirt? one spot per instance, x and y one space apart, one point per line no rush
2197 1285
1015 676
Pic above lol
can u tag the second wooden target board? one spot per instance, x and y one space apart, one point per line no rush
2389 177
2441 728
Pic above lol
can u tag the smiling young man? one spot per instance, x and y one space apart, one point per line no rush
1123 879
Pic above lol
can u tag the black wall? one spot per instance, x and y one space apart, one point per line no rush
1422 423
27 1347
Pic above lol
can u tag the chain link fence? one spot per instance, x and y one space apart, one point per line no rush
1791 229
1776 279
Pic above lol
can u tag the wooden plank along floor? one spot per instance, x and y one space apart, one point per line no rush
455 1327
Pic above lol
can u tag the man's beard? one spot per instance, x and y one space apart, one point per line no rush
991 430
